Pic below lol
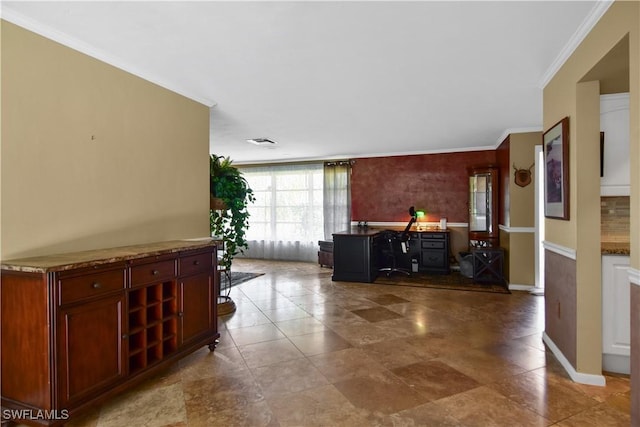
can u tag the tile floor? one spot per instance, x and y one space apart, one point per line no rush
302 350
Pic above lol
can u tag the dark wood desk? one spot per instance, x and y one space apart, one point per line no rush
431 249
355 253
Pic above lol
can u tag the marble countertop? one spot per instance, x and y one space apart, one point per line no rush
72 260
615 248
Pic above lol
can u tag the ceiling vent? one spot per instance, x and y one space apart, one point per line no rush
261 141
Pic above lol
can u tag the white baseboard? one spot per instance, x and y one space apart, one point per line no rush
634 276
616 363
576 376
517 287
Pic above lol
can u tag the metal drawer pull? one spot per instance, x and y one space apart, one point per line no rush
96 285
155 272
196 262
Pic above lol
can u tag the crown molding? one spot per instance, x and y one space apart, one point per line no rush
587 25
510 131
20 20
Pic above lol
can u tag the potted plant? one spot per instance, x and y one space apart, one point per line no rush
229 219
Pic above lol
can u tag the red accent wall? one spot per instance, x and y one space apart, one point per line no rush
502 158
383 188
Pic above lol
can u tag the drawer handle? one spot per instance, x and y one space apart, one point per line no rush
196 262
96 285
155 272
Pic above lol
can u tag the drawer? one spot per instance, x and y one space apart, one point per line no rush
197 263
153 272
428 244
90 285
434 259
439 236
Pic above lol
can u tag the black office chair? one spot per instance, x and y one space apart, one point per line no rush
393 252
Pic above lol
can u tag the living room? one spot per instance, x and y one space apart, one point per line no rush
95 157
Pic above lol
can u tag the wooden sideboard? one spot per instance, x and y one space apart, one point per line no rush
78 328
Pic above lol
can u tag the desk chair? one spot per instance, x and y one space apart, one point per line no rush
391 252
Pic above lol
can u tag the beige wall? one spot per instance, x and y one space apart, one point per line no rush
93 156
567 94
522 154
518 238
522 259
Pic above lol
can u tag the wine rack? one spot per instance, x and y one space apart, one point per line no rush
153 324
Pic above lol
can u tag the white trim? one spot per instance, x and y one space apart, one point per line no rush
576 376
37 27
615 190
430 225
414 153
510 131
616 363
356 156
622 96
587 25
614 102
560 250
634 276
517 229
516 287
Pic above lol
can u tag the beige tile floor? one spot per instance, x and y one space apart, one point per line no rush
302 350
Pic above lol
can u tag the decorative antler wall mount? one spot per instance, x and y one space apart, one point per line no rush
523 176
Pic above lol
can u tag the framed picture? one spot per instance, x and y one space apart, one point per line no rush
556 170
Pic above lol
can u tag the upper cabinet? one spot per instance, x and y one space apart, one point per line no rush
483 207
614 123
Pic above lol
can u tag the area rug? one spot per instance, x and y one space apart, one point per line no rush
453 281
238 277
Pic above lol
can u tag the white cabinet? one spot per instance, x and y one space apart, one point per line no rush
616 343
614 122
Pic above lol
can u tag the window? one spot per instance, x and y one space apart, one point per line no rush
286 220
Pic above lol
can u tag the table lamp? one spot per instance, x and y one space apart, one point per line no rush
420 214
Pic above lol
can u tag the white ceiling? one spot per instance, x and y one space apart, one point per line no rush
335 79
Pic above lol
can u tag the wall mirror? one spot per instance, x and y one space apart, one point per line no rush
483 207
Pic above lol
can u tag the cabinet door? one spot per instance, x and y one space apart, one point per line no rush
434 259
90 353
352 259
616 315
197 302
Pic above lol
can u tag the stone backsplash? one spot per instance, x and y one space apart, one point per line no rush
614 219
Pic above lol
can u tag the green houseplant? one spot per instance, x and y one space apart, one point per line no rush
229 218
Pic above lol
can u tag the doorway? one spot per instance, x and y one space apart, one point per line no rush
538 288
